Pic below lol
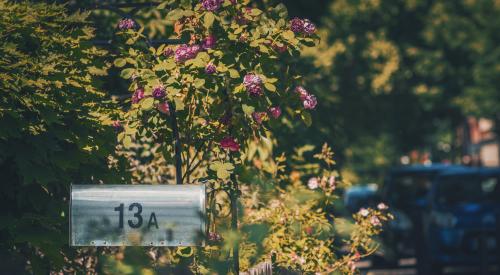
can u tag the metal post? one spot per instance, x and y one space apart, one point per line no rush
177 144
234 222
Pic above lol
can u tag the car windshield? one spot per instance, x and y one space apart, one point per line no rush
405 189
452 190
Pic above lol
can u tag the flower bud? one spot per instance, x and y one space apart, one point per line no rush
159 92
274 112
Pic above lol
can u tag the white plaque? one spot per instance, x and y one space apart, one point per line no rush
137 215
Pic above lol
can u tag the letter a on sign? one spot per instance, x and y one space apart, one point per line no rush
137 215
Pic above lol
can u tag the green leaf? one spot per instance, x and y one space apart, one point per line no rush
203 56
120 62
238 89
179 104
306 117
147 103
222 68
198 83
281 10
164 4
263 48
208 20
175 14
288 35
234 73
127 141
164 66
223 170
255 12
127 73
270 87
171 91
185 252
93 70
196 62
121 136
147 74
248 110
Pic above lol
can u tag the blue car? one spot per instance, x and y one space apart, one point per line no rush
461 221
405 191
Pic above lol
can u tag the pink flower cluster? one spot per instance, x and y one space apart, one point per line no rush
274 112
210 68
253 84
209 42
280 49
211 5
186 52
258 117
226 118
326 183
126 24
163 108
309 101
159 91
117 125
168 52
214 237
138 95
230 144
304 26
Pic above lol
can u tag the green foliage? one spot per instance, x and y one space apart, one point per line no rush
51 135
246 43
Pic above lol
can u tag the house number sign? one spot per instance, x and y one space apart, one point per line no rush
137 215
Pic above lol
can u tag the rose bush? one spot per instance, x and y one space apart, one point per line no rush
221 83
210 104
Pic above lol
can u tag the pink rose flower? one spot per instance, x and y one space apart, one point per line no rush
230 144
138 95
331 182
310 102
209 42
313 183
117 125
374 220
364 212
382 206
275 112
164 108
302 92
258 117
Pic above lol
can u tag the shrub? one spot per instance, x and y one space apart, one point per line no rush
51 130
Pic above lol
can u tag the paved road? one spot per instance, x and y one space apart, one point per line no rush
407 267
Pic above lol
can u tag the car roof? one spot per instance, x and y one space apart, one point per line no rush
433 168
362 189
470 171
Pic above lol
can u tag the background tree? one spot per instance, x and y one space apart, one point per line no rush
398 76
51 130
